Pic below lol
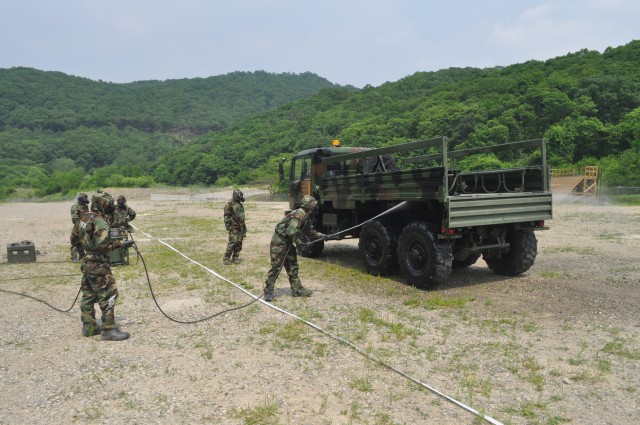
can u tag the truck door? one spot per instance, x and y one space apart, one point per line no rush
300 180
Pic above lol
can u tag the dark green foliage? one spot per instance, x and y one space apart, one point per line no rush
80 132
585 104
39 100
235 128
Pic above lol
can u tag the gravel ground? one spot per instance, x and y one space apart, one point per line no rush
559 344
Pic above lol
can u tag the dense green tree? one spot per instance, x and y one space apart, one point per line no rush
235 128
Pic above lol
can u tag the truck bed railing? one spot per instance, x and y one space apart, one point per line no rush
517 180
505 180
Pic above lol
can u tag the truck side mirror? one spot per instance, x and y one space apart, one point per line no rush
281 168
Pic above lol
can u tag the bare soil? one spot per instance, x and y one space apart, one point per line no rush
559 344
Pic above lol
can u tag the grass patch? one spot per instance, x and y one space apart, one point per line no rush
397 329
207 351
618 347
267 414
438 302
585 376
610 236
580 250
292 334
604 366
472 383
499 326
93 413
577 362
268 329
629 200
361 384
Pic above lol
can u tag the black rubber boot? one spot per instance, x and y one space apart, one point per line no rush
297 290
114 335
302 292
268 296
268 290
90 329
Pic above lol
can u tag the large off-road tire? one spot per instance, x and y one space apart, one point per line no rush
377 245
311 250
424 262
469 261
521 256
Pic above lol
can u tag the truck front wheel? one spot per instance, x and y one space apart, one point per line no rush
523 248
377 245
424 262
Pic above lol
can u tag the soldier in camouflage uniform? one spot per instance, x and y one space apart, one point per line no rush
235 225
98 284
78 210
283 253
104 197
123 214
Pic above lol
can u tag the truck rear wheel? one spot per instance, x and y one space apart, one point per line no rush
424 262
522 253
378 248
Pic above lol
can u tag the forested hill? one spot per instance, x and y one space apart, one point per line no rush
55 101
71 133
59 132
587 105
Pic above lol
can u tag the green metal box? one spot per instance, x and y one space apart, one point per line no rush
21 252
118 256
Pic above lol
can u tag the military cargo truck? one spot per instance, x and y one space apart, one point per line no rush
438 216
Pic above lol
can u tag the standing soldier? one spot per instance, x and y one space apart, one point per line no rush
106 198
283 253
234 223
78 210
98 284
123 214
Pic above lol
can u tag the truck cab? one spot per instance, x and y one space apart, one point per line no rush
306 172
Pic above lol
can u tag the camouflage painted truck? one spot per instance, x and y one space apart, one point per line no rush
415 212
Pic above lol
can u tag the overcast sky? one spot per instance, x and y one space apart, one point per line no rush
355 42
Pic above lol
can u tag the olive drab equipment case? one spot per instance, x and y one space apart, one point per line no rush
21 252
118 256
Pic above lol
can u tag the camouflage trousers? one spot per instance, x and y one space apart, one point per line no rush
98 288
283 254
234 246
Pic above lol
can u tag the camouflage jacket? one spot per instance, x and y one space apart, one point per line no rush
77 210
295 224
94 234
234 217
121 216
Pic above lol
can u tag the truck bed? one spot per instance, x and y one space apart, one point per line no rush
468 198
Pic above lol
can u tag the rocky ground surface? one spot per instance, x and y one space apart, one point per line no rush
559 344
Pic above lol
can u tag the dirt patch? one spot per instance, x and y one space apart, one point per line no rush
558 344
